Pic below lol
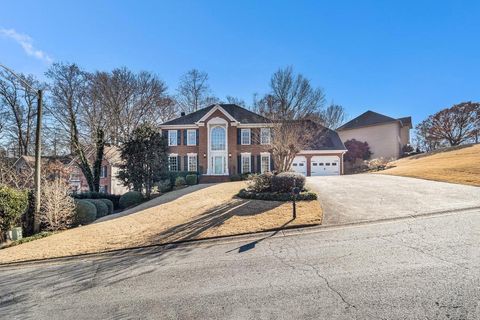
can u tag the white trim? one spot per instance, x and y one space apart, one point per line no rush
217 122
215 108
173 154
178 126
256 125
191 154
265 153
245 153
321 151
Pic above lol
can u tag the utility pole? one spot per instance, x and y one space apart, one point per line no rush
38 162
38 148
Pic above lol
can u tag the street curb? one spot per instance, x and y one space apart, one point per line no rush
285 231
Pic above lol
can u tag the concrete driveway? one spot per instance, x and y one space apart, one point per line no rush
366 197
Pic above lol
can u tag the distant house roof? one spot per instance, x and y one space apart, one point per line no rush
370 118
240 114
326 139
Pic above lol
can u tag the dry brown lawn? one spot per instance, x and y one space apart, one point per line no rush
208 211
457 166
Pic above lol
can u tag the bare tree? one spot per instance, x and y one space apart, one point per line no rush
21 106
193 92
68 97
333 116
291 96
57 208
235 100
288 138
456 125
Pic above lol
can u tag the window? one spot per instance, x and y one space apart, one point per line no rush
334 163
314 164
327 163
246 163
294 164
172 137
265 163
103 189
218 139
172 163
103 172
191 137
265 136
245 136
192 162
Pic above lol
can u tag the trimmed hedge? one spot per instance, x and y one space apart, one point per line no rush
276 196
131 198
85 212
172 176
109 204
102 208
13 203
191 179
115 198
180 181
235 177
286 181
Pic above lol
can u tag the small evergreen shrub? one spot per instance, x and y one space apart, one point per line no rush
102 208
85 212
191 179
276 196
130 198
235 177
13 203
285 181
109 204
260 182
115 198
164 185
180 181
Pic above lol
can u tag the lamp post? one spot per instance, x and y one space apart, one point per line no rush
38 148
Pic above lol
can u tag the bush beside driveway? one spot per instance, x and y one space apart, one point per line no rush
206 211
369 197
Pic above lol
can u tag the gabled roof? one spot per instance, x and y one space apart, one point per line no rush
240 114
325 139
370 118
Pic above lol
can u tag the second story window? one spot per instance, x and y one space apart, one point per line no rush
265 136
172 137
246 136
103 172
191 137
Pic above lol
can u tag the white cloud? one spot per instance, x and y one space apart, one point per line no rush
27 44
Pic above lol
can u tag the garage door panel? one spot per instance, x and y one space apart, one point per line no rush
325 165
299 165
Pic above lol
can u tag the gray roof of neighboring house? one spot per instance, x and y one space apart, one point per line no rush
240 114
370 118
326 139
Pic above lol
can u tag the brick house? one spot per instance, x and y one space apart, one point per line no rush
109 183
225 139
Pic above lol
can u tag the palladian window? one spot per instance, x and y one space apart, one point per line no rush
218 139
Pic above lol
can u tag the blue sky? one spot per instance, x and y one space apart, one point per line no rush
395 57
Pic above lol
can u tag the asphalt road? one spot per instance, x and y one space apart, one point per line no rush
367 197
413 268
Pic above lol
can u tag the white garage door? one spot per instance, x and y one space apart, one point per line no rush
299 165
325 165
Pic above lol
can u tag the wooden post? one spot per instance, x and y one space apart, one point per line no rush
38 165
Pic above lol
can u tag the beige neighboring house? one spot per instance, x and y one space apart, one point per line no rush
386 136
109 183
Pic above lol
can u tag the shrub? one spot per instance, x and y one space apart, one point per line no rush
102 208
115 198
377 164
235 177
164 185
285 181
13 204
57 209
180 181
260 182
131 198
109 204
276 196
85 213
191 179
172 176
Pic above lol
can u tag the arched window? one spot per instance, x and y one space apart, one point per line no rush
217 138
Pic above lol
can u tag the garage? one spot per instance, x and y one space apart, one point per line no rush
325 166
299 165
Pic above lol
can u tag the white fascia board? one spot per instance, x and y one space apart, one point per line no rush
217 107
256 125
178 126
321 151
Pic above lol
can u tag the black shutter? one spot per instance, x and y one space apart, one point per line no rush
239 164
184 137
179 162
239 136
272 164
259 164
198 168
252 167
179 137
165 133
185 163
198 139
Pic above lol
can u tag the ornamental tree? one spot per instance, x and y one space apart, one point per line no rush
357 150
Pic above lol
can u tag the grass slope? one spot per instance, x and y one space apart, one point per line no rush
456 165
